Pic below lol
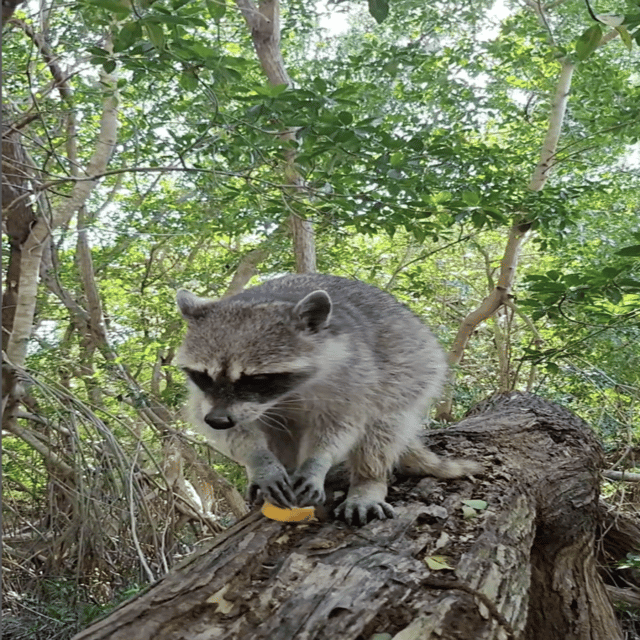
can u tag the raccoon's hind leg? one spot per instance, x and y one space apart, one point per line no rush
371 462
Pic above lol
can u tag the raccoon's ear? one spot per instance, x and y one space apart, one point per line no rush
190 305
314 310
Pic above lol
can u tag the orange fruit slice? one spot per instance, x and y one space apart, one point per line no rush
298 514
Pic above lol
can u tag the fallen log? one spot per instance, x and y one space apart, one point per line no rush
445 567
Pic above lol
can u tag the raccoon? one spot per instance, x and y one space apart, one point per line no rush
304 372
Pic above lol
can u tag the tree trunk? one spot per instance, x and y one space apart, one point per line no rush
522 568
522 224
263 21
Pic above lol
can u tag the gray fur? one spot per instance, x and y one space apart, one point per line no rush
362 369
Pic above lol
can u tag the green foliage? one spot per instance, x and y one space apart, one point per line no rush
58 611
416 133
379 9
588 42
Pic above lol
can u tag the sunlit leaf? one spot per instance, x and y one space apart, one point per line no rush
438 563
588 42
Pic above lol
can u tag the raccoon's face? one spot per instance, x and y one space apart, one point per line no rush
243 357
223 402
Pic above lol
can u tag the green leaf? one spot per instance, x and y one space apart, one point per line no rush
588 42
270 90
493 213
396 159
441 197
614 295
216 9
203 51
552 367
128 35
468 512
188 81
479 505
379 9
437 563
97 51
471 198
117 6
629 284
625 37
156 34
345 117
632 250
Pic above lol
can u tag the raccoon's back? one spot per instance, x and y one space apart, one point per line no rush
352 299
401 347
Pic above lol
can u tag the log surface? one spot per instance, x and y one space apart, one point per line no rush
521 568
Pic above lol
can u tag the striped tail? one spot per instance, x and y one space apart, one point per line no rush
419 461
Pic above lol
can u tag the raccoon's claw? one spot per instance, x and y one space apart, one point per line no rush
358 512
274 488
309 490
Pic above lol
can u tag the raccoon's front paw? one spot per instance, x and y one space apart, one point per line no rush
273 484
309 490
359 511
308 481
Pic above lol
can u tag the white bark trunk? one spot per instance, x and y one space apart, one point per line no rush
33 247
264 23
556 118
517 235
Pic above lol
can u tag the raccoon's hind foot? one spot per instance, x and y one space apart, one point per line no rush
357 512
272 483
365 502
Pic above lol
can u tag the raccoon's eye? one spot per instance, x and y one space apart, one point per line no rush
200 378
267 384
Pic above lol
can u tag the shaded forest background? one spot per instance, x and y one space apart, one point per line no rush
479 161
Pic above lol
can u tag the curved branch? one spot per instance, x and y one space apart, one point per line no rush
497 297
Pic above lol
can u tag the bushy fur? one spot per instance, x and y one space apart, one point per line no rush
306 371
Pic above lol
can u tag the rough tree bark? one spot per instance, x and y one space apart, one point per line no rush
522 568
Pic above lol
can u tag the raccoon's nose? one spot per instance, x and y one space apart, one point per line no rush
219 420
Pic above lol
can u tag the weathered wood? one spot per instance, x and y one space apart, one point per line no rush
522 568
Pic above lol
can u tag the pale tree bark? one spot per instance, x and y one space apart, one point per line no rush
33 243
263 21
95 333
32 249
245 271
16 178
501 294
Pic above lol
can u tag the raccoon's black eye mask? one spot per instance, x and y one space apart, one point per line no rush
263 386
200 378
